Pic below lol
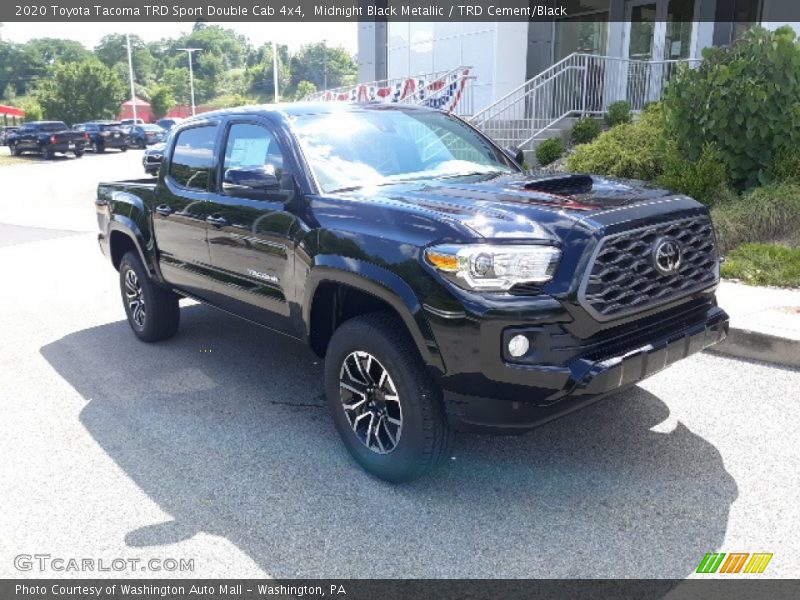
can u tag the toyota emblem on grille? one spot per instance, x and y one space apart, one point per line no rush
667 256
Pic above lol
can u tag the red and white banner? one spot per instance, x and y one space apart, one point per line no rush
444 93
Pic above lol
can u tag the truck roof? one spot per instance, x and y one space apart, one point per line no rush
292 109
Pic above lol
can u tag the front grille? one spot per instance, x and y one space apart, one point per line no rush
623 278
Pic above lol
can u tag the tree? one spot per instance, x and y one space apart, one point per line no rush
33 110
177 80
79 92
305 88
743 99
319 63
52 50
112 50
161 100
260 76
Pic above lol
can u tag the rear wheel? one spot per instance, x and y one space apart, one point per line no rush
386 408
152 312
78 153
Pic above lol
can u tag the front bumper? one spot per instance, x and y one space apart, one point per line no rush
555 391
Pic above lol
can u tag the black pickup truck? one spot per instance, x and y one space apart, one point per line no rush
102 135
47 138
445 288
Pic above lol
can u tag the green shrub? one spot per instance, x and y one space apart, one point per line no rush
764 264
618 113
549 151
705 179
631 150
585 130
745 99
764 214
786 168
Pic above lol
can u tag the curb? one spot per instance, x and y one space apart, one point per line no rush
754 345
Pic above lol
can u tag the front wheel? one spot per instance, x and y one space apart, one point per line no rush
152 312
124 149
386 408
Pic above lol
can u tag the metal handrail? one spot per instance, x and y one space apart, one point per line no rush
579 84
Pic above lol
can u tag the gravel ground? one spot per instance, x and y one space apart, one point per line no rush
216 446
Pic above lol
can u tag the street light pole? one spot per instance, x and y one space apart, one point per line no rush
325 65
191 73
130 76
275 70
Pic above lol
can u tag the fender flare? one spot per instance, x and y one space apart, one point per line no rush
128 227
384 285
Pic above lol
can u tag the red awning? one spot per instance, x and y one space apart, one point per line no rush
11 111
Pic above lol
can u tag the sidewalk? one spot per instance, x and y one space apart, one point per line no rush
765 323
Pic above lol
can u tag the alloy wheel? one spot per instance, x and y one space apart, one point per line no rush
371 402
135 298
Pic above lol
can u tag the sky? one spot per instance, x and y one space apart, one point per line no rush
293 35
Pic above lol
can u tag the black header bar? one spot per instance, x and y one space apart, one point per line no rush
317 10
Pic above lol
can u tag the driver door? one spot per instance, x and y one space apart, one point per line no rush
249 231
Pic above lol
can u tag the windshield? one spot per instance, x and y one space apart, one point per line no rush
375 147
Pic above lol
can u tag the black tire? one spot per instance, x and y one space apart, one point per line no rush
424 439
14 149
78 153
124 149
161 315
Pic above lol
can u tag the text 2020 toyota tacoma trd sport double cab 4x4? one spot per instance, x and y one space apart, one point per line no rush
445 288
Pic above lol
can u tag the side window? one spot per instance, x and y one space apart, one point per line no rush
253 146
193 157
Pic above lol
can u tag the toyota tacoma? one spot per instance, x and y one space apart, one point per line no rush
446 288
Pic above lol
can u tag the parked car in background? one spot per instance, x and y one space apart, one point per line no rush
141 136
130 122
151 160
5 132
47 138
168 123
103 135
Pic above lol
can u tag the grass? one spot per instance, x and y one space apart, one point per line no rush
765 214
7 159
764 264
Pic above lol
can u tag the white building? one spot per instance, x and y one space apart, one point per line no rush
505 55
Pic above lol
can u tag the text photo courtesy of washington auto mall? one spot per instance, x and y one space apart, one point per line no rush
400 300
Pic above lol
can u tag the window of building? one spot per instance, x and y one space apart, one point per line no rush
193 157
582 33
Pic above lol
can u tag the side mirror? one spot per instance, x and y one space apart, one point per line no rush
249 181
515 153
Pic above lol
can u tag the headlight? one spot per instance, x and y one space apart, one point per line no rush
494 268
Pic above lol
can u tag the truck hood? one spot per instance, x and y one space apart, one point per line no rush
527 206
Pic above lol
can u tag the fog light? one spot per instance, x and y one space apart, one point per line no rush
518 346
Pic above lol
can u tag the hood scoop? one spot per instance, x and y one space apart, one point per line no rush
561 185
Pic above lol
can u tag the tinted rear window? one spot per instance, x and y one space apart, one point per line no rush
193 157
50 127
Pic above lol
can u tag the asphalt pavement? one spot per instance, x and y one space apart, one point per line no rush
216 446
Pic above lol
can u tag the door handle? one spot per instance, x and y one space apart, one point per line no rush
216 221
165 210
